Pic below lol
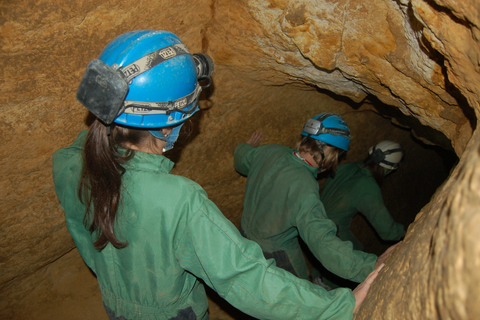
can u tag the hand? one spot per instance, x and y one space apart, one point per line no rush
386 254
255 139
360 292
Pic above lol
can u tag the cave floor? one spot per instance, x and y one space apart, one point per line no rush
67 289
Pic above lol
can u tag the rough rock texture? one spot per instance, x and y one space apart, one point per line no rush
358 49
416 62
45 48
434 272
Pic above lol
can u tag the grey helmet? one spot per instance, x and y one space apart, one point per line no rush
387 154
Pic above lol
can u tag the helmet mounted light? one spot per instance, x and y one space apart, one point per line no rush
205 67
103 88
313 127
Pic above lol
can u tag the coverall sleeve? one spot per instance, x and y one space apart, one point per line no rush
319 233
243 157
63 175
373 208
212 248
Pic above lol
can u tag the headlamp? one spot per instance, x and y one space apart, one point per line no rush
103 88
313 127
205 67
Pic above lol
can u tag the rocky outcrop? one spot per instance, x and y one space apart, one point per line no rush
409 55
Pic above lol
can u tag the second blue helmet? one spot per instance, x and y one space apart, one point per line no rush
329 128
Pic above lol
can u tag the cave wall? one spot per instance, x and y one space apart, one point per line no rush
393 50
417 57
45 48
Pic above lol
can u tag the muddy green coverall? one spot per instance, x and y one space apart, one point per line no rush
176 235
282 202
354 190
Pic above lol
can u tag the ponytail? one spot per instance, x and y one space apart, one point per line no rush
100 185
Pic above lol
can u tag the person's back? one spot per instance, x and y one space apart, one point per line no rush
282 202
343 195
278 185
176 235
146 275
355 189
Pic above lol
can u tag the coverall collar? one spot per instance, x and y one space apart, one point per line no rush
150 161
313 170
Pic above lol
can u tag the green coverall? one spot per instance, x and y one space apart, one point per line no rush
282 202
176 234
353 190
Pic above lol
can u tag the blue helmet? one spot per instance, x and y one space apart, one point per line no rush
144 79
329 128
170 80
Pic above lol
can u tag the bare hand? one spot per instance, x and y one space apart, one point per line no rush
386 254
255 139
360 292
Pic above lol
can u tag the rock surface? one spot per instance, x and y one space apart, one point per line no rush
416 62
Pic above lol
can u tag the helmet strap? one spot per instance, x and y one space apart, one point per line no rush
152 59
320 145
142 107
391 164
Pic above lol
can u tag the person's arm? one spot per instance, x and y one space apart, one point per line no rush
375 211
245 153
319 233
212 248
362 289
66 167
255 139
